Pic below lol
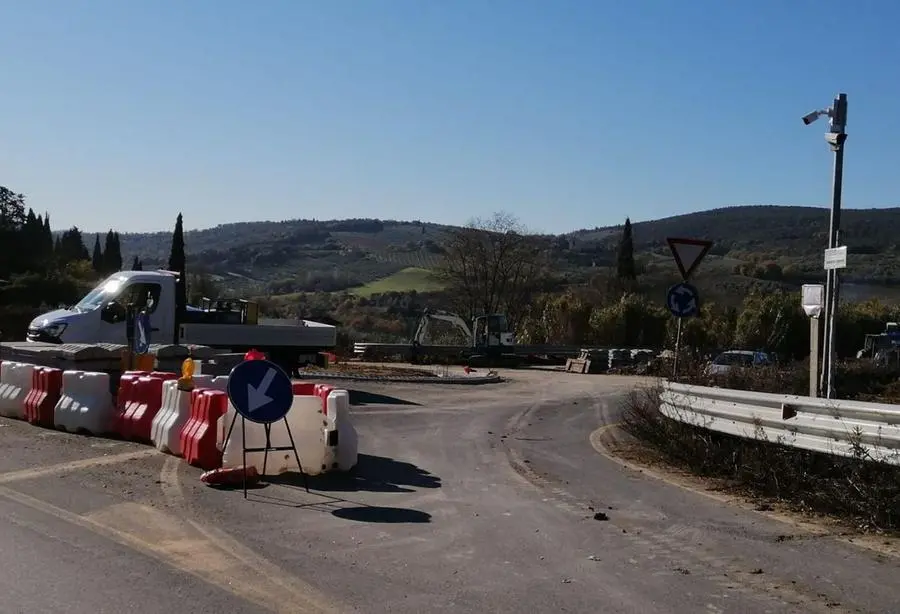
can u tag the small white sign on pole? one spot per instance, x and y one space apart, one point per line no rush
836 258
812 299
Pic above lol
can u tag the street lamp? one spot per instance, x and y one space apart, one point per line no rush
837 113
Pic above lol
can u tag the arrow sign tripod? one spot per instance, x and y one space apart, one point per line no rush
261 392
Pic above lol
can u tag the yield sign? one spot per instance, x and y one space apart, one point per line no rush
688 253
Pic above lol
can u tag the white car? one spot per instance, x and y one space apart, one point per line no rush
741 359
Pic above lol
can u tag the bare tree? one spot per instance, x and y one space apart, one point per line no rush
493 266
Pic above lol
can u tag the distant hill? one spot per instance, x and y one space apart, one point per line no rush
298 255
802 231
774 244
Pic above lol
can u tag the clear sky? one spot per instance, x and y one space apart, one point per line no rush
567 113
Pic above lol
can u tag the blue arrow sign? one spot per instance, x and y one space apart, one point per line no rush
260 391
683 301
141 333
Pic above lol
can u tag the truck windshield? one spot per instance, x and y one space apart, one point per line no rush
106 291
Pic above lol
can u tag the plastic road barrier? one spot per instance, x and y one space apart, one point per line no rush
307 424
198 435
15 382
149 406
41 400
141 409
165 431
341 438
85 403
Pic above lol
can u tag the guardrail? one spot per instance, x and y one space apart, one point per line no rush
622 355
845 428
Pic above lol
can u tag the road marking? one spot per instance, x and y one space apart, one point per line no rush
165 538
687 483
86 463
287 590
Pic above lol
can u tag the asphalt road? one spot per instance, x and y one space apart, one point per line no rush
55 567
466 499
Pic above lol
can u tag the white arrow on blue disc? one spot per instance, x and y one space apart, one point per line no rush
256 395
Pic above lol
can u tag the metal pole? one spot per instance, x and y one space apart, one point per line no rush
826 321
677 350
814 357
835 138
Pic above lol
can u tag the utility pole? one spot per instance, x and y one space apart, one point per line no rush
836 136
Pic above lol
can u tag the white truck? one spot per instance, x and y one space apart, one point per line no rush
100 317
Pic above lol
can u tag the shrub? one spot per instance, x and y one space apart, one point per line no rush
859 489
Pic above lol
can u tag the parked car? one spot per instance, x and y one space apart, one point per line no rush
737 359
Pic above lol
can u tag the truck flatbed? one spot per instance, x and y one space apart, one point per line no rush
268 333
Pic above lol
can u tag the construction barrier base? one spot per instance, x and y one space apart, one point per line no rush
231 477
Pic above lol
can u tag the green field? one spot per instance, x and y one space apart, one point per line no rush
405 280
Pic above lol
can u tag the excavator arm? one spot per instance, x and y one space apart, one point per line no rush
443 316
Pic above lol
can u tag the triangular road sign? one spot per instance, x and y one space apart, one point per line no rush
688 253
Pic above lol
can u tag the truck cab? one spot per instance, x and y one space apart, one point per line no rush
100 316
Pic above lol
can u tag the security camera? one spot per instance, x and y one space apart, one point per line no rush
811 117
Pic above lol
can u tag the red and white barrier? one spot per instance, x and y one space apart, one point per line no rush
208 382
41 400
85 404
198 435
307 422
15 382
149 407
165 432
125 395
140 410
341 438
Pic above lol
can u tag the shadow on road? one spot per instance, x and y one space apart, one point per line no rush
361 397
382 515
356 511
240 486
372 474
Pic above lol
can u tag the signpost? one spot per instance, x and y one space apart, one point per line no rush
261 392
131 342
683 300
836 258
688 254
812 299
141 333
835 137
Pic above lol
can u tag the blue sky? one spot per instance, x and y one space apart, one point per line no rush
567 113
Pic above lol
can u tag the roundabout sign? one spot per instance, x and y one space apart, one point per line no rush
683 300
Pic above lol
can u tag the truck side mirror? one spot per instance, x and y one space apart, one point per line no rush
112 312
